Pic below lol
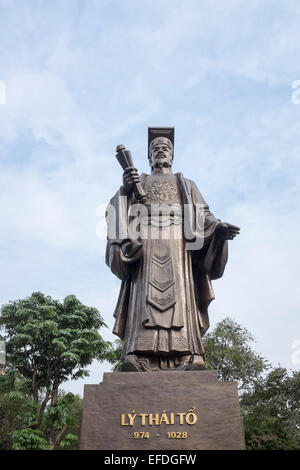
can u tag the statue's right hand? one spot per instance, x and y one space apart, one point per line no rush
130 176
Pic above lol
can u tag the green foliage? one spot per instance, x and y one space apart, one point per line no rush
63 417
47 343
18 418
114 355
270 401
69 442
28 439
73 415
17 410
51 341
271 411
228 350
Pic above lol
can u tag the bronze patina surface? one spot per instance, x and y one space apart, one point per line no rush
172 410
166 266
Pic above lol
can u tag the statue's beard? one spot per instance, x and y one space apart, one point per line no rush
162 165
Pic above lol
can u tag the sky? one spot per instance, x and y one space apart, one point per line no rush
78 77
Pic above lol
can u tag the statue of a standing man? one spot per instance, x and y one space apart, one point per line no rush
166 270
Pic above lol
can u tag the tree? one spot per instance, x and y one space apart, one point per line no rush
62 420
114 355
271 411
228 350
47 343
18 415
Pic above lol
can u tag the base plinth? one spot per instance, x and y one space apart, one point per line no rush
176 410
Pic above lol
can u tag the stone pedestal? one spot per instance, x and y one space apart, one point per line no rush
184 410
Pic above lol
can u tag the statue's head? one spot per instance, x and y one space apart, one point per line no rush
161 153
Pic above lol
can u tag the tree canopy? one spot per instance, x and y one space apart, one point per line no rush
47 343
271 411
229 350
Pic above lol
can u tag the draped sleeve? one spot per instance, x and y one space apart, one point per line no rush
209 253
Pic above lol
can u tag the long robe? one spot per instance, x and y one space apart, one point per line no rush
166 286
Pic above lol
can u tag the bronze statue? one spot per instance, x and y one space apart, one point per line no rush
166 247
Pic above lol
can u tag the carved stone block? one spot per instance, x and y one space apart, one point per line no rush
174 410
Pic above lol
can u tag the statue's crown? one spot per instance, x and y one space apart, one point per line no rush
154 132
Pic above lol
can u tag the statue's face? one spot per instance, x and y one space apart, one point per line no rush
160 153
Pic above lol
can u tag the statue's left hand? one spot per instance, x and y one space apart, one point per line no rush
227 231
132 249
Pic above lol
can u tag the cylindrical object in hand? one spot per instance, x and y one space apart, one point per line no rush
124 158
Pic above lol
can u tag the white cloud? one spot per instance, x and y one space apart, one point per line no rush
82 77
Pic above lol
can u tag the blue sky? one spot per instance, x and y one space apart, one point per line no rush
82 76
